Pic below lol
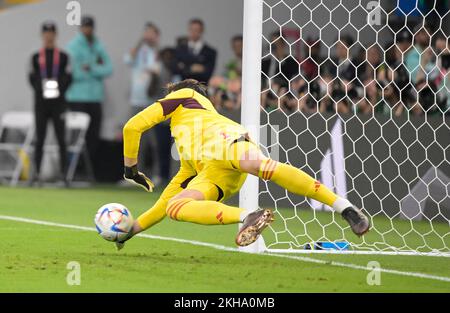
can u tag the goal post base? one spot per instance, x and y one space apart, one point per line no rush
358 252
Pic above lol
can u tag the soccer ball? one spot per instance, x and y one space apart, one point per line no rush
113 221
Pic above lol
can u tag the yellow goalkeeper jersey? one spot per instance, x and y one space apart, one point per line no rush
200 132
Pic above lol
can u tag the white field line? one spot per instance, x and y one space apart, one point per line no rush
225 248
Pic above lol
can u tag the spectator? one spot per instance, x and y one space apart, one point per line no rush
346 70
181 41
232 97
431 78
195 59
434 61
441 44
339 65
90 66
371 68
233 69
366 90
167 58
339 99
337 83
310 66
143 60
392 93
279 66
404 41
50 79
162 130
145 86
398 90
413 56
225 93
226 89
441 75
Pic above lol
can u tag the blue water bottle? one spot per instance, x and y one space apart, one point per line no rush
328 245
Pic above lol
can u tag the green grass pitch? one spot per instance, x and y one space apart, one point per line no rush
34 257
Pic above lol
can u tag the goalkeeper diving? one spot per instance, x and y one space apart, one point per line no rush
216 154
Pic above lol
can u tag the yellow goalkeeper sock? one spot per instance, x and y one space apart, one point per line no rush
204 212
152 216
299 182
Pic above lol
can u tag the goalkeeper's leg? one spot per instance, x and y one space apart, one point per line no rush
248 158
199 205
149 218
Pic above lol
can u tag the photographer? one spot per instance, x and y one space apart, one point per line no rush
49 78
143 61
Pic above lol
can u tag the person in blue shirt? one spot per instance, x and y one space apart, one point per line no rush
91 64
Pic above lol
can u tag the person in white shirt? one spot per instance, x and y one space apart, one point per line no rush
145 68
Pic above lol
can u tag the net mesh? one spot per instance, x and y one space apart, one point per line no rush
356 93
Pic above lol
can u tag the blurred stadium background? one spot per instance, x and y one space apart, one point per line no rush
388 102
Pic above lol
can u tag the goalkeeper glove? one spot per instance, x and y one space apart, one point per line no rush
133 176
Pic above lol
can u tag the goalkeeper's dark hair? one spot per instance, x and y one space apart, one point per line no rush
200 87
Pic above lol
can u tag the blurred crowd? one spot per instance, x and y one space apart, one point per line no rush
73 79
409 75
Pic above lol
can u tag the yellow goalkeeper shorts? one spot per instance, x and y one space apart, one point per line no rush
218 180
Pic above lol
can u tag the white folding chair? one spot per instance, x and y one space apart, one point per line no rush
23 123
77 124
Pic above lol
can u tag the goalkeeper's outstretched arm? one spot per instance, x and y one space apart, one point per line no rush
132 132
138 124
158 211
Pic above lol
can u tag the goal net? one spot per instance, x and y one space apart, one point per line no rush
355 93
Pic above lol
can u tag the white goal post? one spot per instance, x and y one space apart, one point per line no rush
251 94
357 94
